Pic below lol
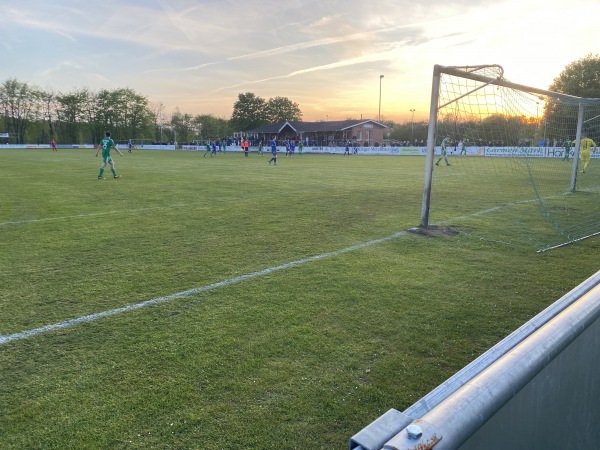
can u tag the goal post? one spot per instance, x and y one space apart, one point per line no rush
517 141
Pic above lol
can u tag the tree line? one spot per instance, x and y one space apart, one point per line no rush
33 115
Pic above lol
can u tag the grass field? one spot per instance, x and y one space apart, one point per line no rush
287 306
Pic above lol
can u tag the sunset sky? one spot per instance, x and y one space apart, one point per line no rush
326 55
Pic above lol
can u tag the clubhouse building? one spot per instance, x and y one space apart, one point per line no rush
361 133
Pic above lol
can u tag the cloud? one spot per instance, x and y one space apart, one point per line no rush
62 65
381 55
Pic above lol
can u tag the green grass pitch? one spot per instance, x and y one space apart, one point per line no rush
343 317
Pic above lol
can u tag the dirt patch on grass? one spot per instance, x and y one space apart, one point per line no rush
435 231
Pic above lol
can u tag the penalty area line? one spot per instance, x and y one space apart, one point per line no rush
155 301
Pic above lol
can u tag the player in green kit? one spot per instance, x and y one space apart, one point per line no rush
444 152
107 144
567 145
207 149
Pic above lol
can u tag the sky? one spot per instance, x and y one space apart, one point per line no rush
197 56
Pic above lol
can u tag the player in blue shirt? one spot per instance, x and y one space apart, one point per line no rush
273 152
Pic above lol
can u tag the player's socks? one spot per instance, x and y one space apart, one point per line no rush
101 171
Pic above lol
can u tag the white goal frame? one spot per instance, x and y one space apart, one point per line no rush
469 72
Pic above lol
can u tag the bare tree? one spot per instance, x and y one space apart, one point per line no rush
19 103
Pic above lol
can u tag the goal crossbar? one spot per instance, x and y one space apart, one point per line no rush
466 72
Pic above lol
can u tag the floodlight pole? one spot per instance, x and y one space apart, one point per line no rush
380 77
412 126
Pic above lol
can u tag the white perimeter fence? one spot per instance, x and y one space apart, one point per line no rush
472 151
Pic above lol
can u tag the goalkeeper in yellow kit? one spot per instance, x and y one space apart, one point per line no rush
585 146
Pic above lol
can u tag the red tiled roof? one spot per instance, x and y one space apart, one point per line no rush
313 127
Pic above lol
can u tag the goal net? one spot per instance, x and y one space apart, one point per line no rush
512 167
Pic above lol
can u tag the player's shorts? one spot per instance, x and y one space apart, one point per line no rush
106 159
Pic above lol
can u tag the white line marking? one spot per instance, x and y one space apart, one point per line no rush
92 317
155 301
104 213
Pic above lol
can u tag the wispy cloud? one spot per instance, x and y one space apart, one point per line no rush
26 18
348 40
62 65
382 55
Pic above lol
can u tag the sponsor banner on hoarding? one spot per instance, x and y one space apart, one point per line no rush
516 152
412 151
451 151
407 151
155 147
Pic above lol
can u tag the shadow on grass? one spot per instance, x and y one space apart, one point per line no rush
434 231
